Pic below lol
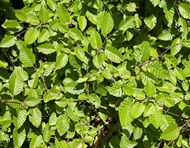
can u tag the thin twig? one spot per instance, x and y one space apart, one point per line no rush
11 101
161 55
168 144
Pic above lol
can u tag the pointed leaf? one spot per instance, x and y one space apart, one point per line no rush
95 40
82 22
43 14
113 54
46 48
79 52
63 13
184 10
107 25
61 61
62 124
171 132
31 35
150 89
19 137
150 21
8 41
137 110
35 117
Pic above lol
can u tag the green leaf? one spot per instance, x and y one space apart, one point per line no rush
184 10
31 35
8 41
21 15
126 24
62 124
125 142
137 110
107 25
155 2
44 36
116 90
171 132
95 40
98 60
12 25
72 114
113 54
20 118
27 57
63 13
19 137
149 110
43 14
46 48
150 21
150 89
127 89
32 101
74 88
36 141
176 48
15 82
131 7
156 119
166 35
61 60
52 4
138 133
79 52
179 73
35 117
82 22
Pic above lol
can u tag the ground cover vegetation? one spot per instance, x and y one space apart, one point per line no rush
94 73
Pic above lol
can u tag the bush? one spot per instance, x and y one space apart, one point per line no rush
94 73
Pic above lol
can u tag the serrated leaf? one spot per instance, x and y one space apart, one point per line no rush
46 48
116 90
156 119
167 120
72 114
15 82
166 35
82 22
31 35
150 89
79 52
127 89
100 19
184 10
27 57
19 137
63 13
8 41
52 4
21 15
43 14
125 142
149 110
98 60
177 48
107 25
35 117
95 100
62 124
74 88
155 2
126 24
138 133
95 40
44 36
137 110
20 118
32 101
179 73
36 141
61 60
171 132
113 54
150 21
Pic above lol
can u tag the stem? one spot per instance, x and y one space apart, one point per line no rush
158 56
11 101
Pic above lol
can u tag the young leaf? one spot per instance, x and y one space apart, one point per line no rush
32 101
8 41
44 36
113 54
61 61
35 117
176 48
137 110
27 57
184 10
126 24
150 89
98 60
20 118
15 82
52 4
149 110
63 13
171 132
79 52
19 137
150 21
46 48
179 73
62 124
138 133
156 119
95 40
107 25
43 14
82 22
31 35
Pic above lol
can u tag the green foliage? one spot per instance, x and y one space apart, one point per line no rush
95 73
